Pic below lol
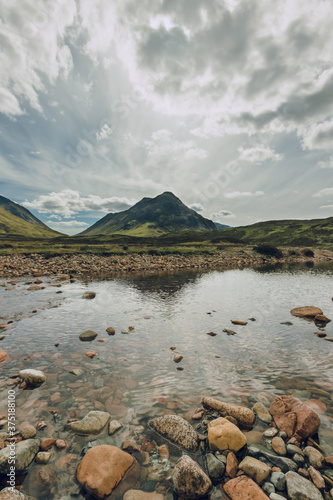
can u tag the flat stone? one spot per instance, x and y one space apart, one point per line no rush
25 453
317 478
223 435
238 322
255 469
244 488
306 312
285 464
314 457
32 377
177 430
190 481
88 335
114 426
262 412
299 488
92 423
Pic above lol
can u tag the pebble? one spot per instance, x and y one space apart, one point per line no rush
110 330
89 295
271 432
177 358
292 449
268 488
279 446
279 480
88 335
43 457
262 412
314 457
29 431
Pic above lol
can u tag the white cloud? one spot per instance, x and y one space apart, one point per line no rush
69 223
9 105
221 215
319 136
197 207
326 207
326 164
258 154
243 194
323 193
69 202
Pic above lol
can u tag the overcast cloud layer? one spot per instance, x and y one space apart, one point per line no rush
226 103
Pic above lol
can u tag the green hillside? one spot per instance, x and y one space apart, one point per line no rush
12 225
152 217
21 212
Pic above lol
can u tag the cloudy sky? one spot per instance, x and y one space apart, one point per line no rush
226 103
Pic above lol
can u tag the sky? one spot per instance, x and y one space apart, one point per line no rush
226 103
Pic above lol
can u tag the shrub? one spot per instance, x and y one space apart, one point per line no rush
268 250
308 252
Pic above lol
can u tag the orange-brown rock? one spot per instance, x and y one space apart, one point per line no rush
103 468
232 465
243 488
298 420
244 416
309 312
3 355
47 444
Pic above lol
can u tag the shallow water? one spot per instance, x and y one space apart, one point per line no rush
131 371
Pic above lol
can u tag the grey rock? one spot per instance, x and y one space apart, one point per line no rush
299 488
32 377
25 453
314 457
177 430
270 433
190 481
262 412
292 449
275 496
215 467
88 335
299 459
268 488
89 295
279 480
92 423
114 426
284 463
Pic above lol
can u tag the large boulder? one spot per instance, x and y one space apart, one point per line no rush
224 435
294 418
177 430
308 312
103 468
255 469
243 488
244 416
24 452
32 377
190 481
93 423
300 488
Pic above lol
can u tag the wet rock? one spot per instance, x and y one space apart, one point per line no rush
317 478
43 457
317 405
88 335
90 354
47 444
114 426
262 412
164 452
268 488
89 295
275 496
299 459
300 488
77 371
229 332
293 449
279 446
28 432
295 418
232 465
156 473
279 480
11 494
110 330
190 481
215 467
223 435
177 430
92 423
103 468
35 288
283 463
244 416
177 358
142 495
25 453
271 432
242 488
306 312
3 355
314 457
211 334
238 322
321 319
32 377
256 470
61 444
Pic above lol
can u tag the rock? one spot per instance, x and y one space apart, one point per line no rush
92 423
244 416
279 446
11 494
110 330
114 426
256 470
35 288
215 467
271 432
61 444
3 355
299 459
306 312
232 465
43 457
295 418
103 468
88 335
317 478
90 354
238 322
243 488
321 318
275 496
47 444
329 461
25 453
314 457
163 452
279 480
190 481
89 295
262 412
229 332
268 488
28 432
77 371
283 463
223 435
317 405
293 449
177 358
142 495
321 335
299 488
177 430
32 377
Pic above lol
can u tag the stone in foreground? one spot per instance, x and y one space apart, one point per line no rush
32 377
295 418
92 423
243 488
190 481
262 412
103 468
256 470
25 453
300 488
244 416
309 312
177 430
9 494
224 435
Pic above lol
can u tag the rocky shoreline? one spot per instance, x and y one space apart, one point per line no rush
75 264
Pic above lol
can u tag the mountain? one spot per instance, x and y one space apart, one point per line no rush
220 226
152 217
17 220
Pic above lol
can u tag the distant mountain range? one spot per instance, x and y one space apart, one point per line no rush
152 217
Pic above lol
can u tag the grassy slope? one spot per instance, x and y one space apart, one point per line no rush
12 225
